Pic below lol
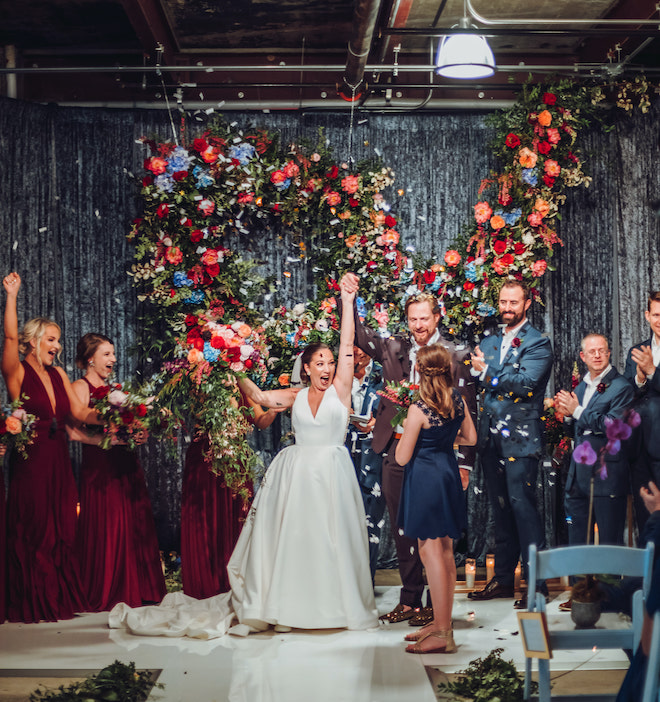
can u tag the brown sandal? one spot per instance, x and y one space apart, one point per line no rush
446 634
398 614
423 617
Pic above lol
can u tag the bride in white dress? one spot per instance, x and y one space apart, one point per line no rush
302 559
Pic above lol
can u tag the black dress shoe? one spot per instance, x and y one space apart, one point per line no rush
522 602
491 591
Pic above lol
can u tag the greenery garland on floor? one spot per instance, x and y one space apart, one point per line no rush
202 298
119 682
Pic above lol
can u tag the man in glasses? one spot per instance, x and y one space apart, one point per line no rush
602 395
397 355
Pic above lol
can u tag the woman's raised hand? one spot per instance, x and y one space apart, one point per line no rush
12 283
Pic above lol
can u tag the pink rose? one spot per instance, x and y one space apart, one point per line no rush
538 268
482 212
333 198
206 207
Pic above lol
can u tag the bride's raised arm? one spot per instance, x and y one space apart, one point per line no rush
345 361
275 399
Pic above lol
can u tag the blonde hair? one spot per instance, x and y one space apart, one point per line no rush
34 330
435 379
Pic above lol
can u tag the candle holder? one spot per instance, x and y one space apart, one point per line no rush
470 572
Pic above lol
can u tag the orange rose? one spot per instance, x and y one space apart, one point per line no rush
482 212
545 118
527 157
209 257
378 218
350 240
174 255
552 168
542 207
391 237
195 356
284 379
13 425
497 222
452 258
244 330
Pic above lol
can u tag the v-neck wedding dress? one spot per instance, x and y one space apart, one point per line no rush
302 559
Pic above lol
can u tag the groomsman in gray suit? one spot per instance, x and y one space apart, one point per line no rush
513 368
603 394
641 369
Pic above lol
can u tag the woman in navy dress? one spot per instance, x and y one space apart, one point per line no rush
43 570
432 507
117 541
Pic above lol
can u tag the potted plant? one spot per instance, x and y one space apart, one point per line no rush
585 602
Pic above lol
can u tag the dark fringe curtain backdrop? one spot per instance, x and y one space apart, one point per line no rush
68 195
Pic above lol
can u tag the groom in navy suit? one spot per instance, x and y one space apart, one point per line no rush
513 368
642 367
602 394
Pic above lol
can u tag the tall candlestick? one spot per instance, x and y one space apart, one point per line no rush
470 571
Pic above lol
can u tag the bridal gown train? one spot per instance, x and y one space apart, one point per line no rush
302 559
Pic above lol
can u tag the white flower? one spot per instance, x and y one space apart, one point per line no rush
117 398
298 309
322 325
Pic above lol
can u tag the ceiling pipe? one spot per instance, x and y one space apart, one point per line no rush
364 22
516 22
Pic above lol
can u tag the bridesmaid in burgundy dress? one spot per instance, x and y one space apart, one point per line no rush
3 541
43 570
211 518
117 542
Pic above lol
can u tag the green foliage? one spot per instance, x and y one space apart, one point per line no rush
489 679
119 682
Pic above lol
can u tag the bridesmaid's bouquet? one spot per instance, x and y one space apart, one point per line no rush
17 427
125 415
403 394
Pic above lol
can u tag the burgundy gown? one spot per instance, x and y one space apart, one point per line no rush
43 571
3 548
211 520
117 542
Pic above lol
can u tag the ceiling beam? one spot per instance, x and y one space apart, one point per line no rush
152 27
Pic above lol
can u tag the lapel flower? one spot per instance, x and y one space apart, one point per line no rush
601 387
515 342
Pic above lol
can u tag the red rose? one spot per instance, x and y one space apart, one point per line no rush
548 180
196 235
218 342
499 246
390 222
353 202
179 175
512 140
519 248
333 172
191 320
200 145
101 391
213 270
468 286
515 342
141 410
147 181
127 417
429 277
248 363
601 387
549 98
545 147
163 210
372 265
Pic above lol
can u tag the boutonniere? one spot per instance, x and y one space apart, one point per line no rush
601 387
515 342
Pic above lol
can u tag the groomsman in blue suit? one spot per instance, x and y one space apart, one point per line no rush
642 369
513 368
602 394
367 380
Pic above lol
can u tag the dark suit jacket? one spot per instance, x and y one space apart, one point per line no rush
393 354
513 393
647 403
616 398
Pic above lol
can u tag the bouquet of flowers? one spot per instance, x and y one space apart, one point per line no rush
124 415
402 394
17 427
558 435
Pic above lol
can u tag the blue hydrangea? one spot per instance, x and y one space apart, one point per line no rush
179 160
485 310
512 217
435 285
242 152
361 308
164 183
471 271
290 337
195 297
210 354
283 185
180 279
530 176
202 177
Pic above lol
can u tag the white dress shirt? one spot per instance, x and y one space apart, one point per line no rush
655 350
592 386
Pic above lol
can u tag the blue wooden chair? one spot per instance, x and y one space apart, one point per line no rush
652 680
579 560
